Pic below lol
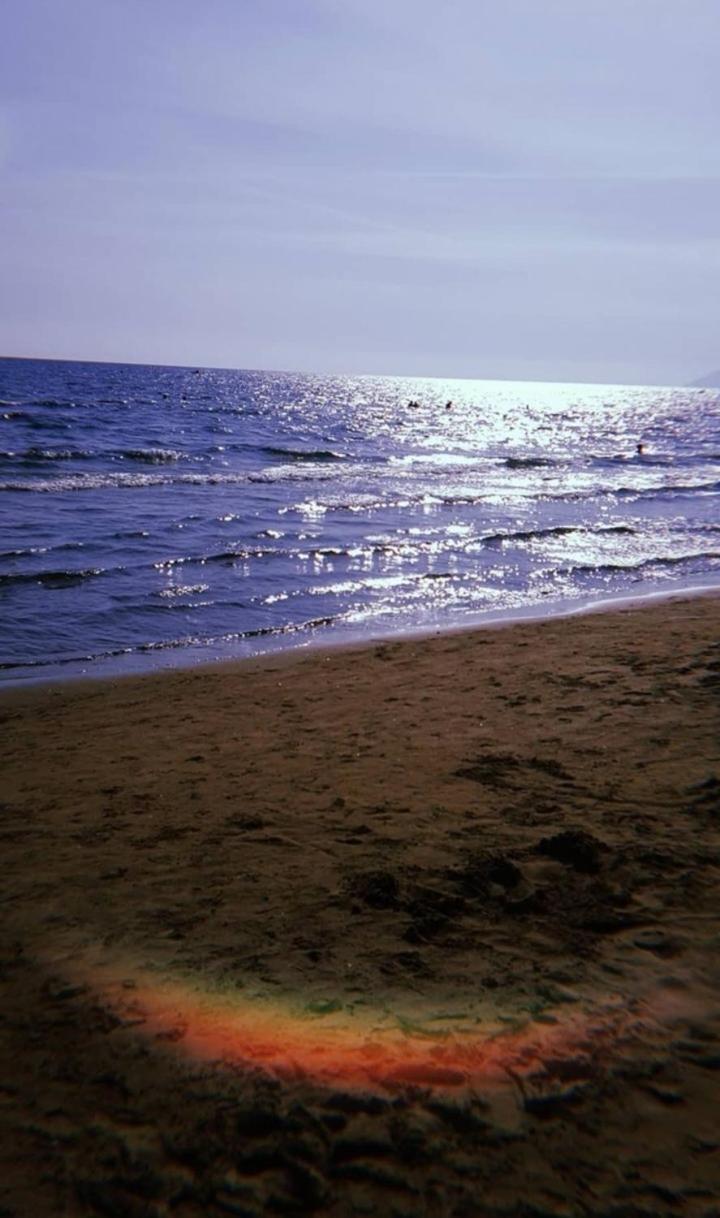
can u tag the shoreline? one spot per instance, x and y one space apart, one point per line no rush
119 668
416 918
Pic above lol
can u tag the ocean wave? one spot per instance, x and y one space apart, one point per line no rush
400 547
373 583
158 456
52 403
558 530
529 462
32 455
656 561
660 491
298 454
26 552
300 554
153 456
665 488
362 502
118 481
219 556
52 579
236 636
306 471
135 481
530 534
181 590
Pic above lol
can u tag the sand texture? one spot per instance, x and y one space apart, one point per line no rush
426 927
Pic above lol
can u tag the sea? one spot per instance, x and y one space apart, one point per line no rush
154 516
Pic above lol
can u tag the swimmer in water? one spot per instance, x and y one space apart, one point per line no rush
640 450
448 405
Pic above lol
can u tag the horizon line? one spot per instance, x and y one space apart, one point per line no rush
64 359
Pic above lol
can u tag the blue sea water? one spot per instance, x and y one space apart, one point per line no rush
153 515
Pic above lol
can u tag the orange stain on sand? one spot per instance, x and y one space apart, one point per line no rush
357 1045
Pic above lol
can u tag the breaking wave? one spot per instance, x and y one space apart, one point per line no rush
51 579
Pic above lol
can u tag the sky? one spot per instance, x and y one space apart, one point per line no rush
524 190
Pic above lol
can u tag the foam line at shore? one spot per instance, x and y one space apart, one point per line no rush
153 662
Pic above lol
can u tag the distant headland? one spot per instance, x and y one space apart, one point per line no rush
711 380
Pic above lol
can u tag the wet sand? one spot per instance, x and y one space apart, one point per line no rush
426 927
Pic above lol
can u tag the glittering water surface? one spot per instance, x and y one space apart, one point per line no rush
154 514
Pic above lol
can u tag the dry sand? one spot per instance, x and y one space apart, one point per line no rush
340 872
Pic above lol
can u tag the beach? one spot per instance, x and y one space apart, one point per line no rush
418 927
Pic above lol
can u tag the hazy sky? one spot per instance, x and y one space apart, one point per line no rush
501 188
